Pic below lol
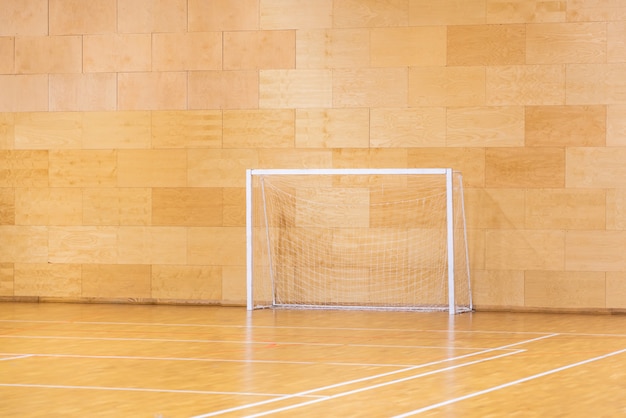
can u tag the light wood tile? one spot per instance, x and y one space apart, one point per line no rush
498 288
223 15
7 131
259 128
152 91
48 55
220 168
416 127
583 167
48 206
616 125
414 46
233 285
523 11
7 206
82 244
469 161
564 289
75 17
370 158
295 14
566 126
224 89
148 16
116 281
525 250
58 280
501 126
616 208
526 85
187 51
83 168
23 244
116 130
234 207
595 251
152 168
332 128
525 167
47 130
89 92
7 54
111 53
24 18
332 48
187 283
592 11
486 45
556 43
24 93
187 206
259 50
152 245
494 208
446 12
225 246
616 42
117 206
370 13
6 279
23 168
186 129
279 89
300 158
363 87
447 86
565 209
596 83
615 290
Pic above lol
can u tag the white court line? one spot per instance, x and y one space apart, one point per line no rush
350 382
14 356
200 392
506 385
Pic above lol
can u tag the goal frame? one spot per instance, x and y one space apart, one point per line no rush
448 172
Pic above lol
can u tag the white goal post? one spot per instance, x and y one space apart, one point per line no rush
384 239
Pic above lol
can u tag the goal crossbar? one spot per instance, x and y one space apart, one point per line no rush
454 210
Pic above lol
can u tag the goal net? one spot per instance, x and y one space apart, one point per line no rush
357 239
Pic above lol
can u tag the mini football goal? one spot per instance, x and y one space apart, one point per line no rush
384 239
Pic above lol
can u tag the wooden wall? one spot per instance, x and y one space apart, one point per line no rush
126 126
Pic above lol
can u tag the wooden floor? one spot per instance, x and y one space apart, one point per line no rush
75 360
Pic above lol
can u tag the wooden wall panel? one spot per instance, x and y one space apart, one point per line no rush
117 52
310 158
223 89
43 130
152 91
24 17
408 46
327 48
48 206
616 125
57 280
494 208
7 131
23 168
152 245
279 89
187 51
7 54
332 128
115 281
259 50
115 130
23 244
486 45
525 250
225 246
6 279
370 13
151 168
566 43
615 290
526 85
564 289
83 168
24 93
485 126
234 206
187 206
590 11
82 244
596 83
580 126
525 167
498 288
186 129
146 16
223 15
565 209
523 11
446 86
234 285
51 54
117 206
83 92
370 87
616 209
407 128
72 17
616 42
259 129
469 161
187 283
7 206
369 158
220 167
450 12
295 14
595 167
595 251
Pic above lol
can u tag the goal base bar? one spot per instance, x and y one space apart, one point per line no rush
344 307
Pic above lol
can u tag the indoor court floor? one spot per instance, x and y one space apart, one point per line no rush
89 360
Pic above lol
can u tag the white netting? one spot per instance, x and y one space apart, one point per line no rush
361 241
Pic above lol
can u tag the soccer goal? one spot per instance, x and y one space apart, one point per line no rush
385 239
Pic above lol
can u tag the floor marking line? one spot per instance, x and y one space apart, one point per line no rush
129 389
14 356
505 385
336 385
